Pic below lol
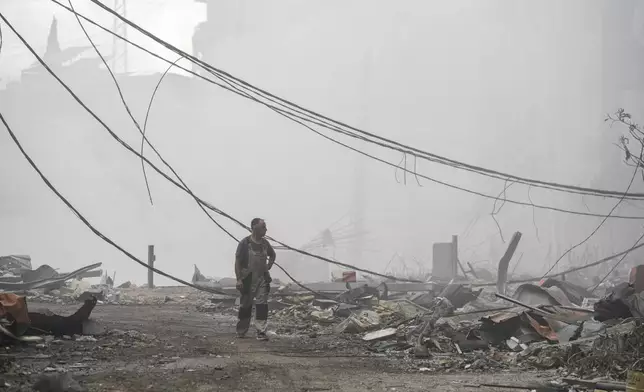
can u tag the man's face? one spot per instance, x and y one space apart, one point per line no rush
260 229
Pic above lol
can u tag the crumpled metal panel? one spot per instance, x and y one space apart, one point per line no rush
531 294
43 283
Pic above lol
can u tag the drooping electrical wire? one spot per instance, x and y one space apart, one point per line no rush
184 189
118 88
145 122
88 224
173 181
534 222
297 119
354 132
635 246
127 108
600 223
112 243
494 209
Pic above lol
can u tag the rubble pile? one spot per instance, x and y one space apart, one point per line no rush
609 354
549 325
46 284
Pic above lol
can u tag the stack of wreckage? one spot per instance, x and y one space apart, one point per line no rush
18 281
45 283
449 326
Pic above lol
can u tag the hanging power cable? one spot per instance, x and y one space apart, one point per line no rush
144 139
129 112
635 246
89 225
355 132
592 233
298 120
147 114
173 181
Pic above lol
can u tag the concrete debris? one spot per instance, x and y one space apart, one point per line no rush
380 335
440 327
361 322
540 326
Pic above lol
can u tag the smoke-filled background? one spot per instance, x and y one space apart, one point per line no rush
512 85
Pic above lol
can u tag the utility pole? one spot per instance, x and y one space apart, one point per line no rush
119 46
151 259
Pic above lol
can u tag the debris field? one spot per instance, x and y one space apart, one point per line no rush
551 335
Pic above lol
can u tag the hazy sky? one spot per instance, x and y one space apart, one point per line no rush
513 85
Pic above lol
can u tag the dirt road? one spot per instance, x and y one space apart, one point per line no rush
172 347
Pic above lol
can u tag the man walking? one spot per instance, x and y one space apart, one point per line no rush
254 257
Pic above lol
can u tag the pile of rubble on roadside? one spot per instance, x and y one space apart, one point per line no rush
46 284
454 327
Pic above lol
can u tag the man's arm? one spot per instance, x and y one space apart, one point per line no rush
271 255
238 260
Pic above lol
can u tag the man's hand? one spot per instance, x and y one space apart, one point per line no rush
270 264
239 285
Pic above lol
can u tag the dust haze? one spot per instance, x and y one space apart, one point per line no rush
516 86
